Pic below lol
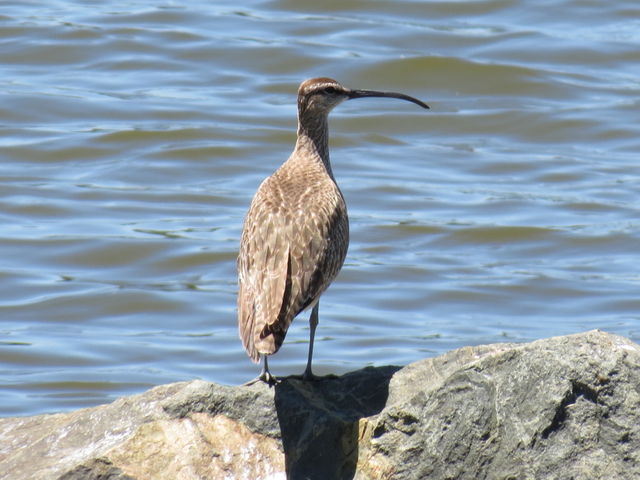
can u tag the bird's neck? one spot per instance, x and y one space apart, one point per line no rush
313 140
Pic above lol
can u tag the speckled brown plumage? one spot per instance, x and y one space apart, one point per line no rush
296 233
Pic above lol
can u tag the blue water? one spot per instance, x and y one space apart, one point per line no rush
133 136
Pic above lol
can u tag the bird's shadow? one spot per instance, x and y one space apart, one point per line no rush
319 420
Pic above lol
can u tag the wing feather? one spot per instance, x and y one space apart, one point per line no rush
292 247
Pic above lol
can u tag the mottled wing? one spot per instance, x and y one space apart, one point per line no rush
293 246
262 267
318 252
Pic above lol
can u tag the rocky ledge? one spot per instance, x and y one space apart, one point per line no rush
560 408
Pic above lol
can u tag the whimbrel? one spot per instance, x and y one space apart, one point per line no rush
296 233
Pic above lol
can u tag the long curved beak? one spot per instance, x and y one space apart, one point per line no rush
373 93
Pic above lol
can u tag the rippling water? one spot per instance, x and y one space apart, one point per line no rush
134 134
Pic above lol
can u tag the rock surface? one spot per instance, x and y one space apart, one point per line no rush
560 408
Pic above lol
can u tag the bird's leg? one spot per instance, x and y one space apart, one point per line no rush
313 323
265 375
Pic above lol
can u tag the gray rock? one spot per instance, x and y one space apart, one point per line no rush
560 408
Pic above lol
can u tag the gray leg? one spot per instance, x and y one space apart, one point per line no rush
313 323
265 375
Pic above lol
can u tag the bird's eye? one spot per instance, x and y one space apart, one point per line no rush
330 90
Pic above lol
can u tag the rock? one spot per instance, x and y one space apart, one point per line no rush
560 408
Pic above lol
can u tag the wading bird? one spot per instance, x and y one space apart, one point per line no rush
296 233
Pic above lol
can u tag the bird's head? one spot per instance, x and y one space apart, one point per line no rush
318 96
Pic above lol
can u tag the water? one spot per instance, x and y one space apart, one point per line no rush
133 136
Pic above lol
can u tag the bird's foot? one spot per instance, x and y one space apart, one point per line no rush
265 377
269 379
308 376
